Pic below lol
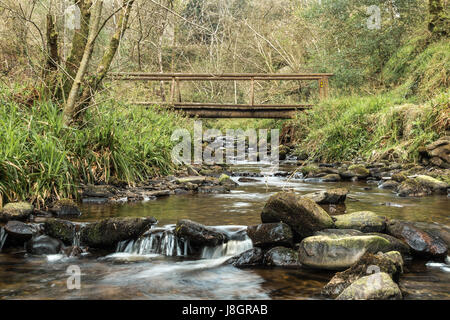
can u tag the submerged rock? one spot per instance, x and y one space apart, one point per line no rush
108 232
250 258
365 221
421 242
337 252
390 263
303 215
330 196
378 286
60 229
270 234
282 257
198 234
16 211
43 245
65 207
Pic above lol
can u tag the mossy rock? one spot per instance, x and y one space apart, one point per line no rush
378 286
16 211
106 233
390 262
399 177
309 170
225 180
365 221
338 252
60 229
412 188
65 207
360 170
435 185
303 215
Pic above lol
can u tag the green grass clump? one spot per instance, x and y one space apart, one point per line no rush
375 127
42 159
419 68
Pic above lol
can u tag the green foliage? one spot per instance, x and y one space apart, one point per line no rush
42 159
374 127
419 69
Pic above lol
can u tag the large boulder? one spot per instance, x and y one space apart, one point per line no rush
390 263
303 215
338 252
378 286
421 242
108 232
270 235
43 245
250 258
394 243
435 185
282 257
60 229
65 207
199 235
365 221
330 196
421 186
16 211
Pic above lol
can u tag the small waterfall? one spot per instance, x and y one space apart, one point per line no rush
3 236
158 240
230 248
76 238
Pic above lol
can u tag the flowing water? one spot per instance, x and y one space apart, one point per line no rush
158 265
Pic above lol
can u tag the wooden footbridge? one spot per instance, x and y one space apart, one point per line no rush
227 110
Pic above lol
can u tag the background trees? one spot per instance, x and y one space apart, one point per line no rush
215 36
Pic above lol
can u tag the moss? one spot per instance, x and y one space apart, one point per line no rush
309 170
359 169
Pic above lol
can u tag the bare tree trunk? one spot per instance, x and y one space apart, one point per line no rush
95 81
51 66
70 108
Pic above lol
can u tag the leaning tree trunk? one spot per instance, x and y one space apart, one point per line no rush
79 42
95 81
73 112
72 100
439 21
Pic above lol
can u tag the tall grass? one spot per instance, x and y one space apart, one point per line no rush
383 126
41 158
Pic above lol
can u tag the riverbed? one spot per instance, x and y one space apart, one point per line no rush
145 274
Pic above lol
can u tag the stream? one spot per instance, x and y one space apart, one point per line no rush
156 267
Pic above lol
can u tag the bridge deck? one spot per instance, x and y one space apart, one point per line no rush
226 110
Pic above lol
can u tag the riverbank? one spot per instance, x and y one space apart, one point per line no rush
42 160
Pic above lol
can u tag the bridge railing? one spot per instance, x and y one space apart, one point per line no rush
226 109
